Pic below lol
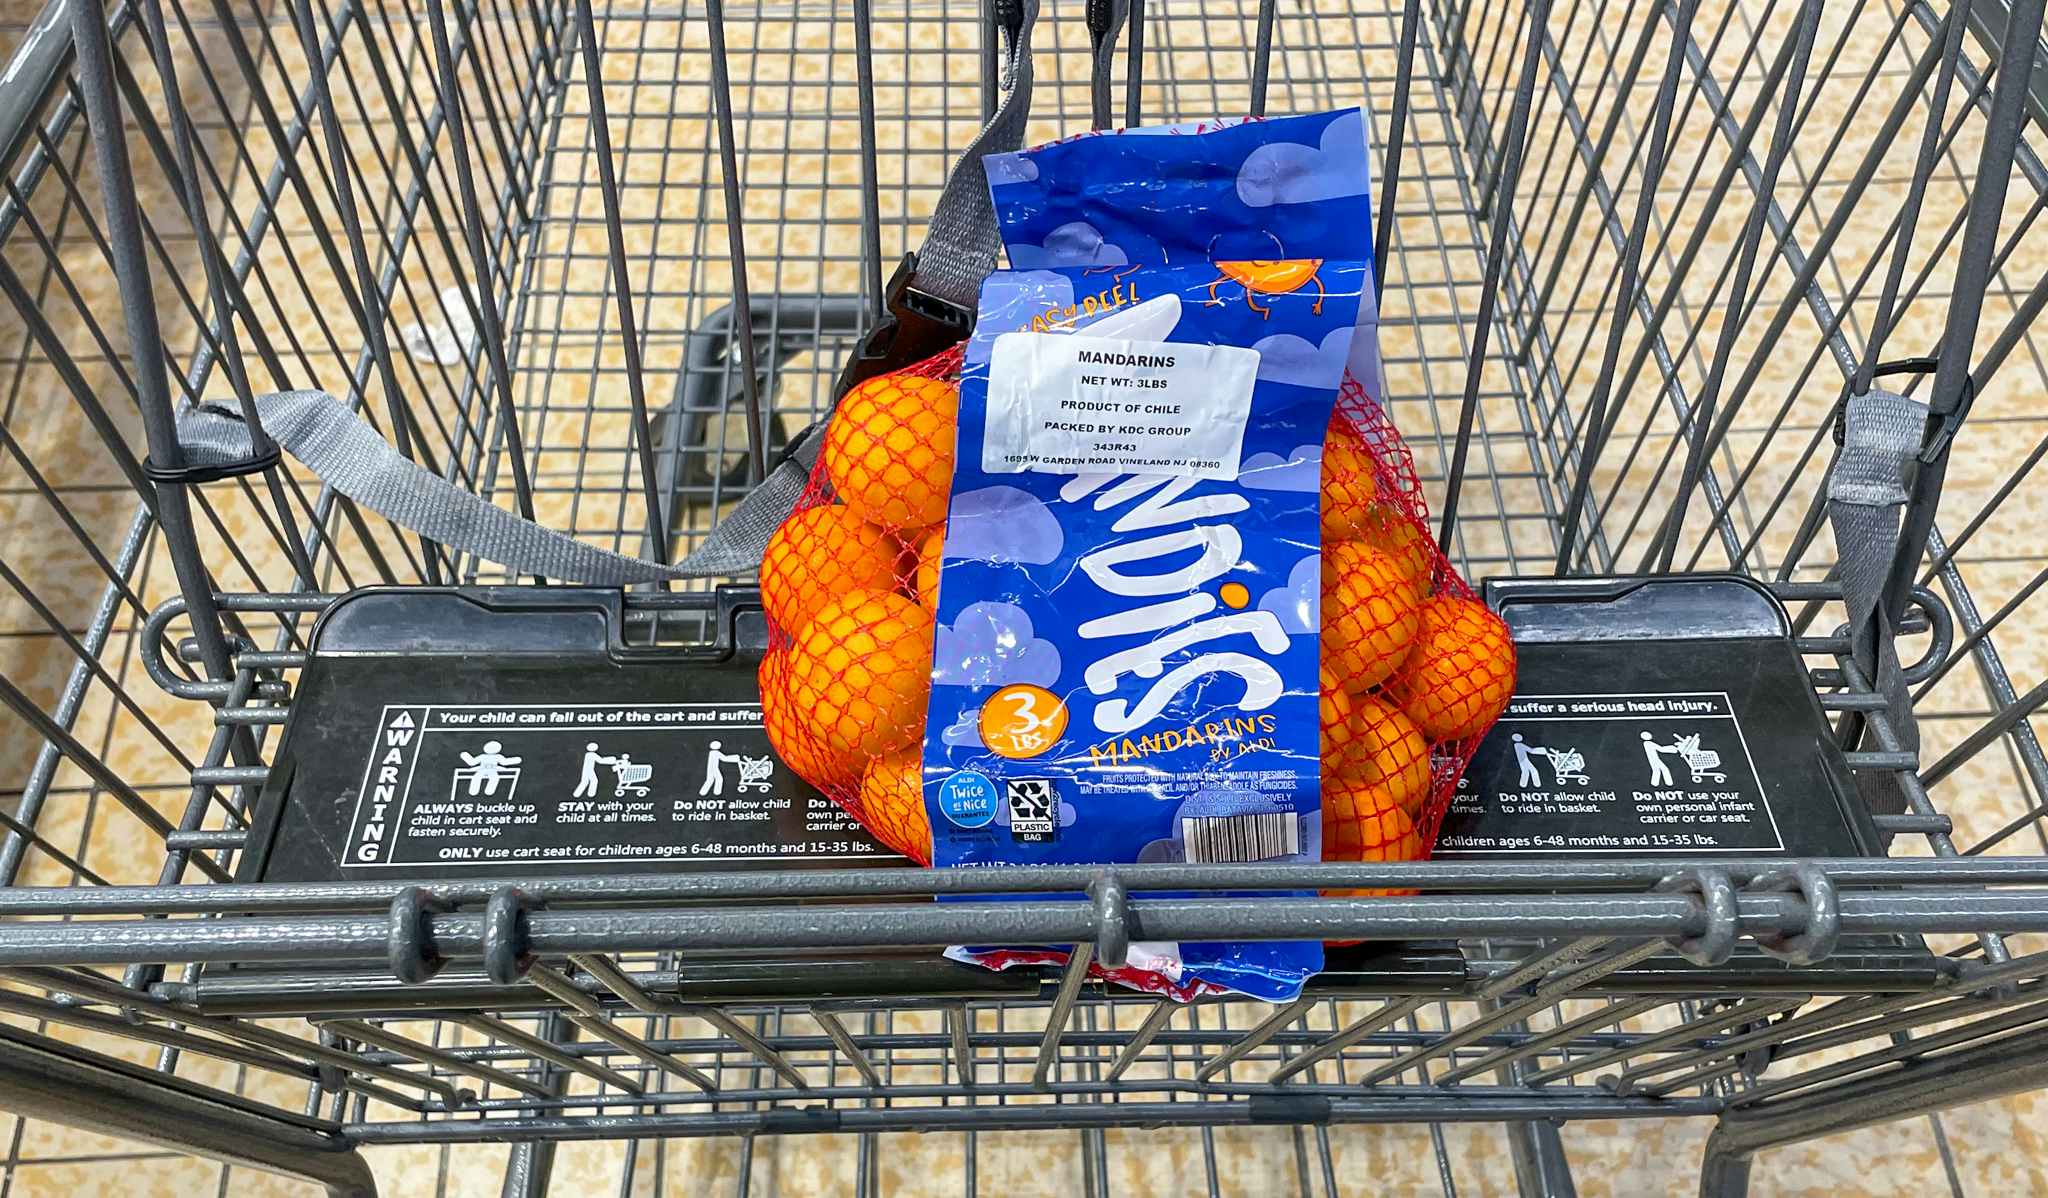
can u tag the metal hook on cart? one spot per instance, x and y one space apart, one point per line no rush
507 956
1823 913
156 634
154 630
1715 895
1940 627
1942 635
1112 919
410 946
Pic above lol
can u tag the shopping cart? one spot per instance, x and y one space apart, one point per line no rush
1648 271
1705 764
632 776
1569 765
756 773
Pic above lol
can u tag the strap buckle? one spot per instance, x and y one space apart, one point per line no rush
917 325
1009 17
1950 422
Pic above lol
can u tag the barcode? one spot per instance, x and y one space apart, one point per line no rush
1217 839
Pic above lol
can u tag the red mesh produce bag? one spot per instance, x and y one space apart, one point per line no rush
850 582
1415 668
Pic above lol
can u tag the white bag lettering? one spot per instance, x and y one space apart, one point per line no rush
1261 687
1221 548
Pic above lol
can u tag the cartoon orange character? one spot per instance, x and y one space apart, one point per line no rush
1271 276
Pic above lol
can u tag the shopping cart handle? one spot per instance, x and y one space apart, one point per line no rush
916 325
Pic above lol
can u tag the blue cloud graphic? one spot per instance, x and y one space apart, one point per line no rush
1010 298
1300 470
1076 243
1299 603
965 732
1002 524
992 644
1009 168
1286 358
1288 172
1162 852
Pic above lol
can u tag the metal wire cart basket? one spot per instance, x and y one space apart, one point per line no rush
1646 264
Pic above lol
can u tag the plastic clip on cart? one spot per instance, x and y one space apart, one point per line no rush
1635 268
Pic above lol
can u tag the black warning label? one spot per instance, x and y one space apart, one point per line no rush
1664 772
454 785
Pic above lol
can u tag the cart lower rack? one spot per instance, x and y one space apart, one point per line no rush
600 264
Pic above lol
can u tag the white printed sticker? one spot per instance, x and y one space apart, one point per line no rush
1072 404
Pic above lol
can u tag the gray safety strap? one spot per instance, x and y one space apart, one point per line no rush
1106 20
1881 434
962 243
347 454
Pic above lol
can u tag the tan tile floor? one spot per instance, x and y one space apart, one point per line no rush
797 126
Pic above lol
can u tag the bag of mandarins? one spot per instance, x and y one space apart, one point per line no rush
849 583
1108 559
1416 668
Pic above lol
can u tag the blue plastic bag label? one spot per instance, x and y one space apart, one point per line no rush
1126 661
1252 190
1249 190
